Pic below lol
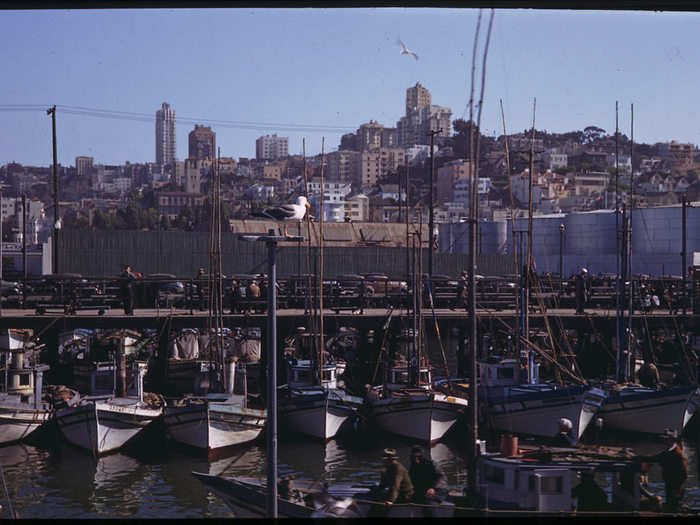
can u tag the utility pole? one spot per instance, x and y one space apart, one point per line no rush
24 244
431 218
56 223
562 229
684 253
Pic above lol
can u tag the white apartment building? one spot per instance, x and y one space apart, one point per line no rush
357 208
334 194
377 163
462 190
271 147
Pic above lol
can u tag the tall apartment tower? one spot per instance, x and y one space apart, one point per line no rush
202 143
417 97
165 135
271 147
83 165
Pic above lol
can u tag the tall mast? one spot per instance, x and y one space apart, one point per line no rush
527 267
510 189
320 265
628 261
620 337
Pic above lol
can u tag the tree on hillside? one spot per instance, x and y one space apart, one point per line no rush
592 133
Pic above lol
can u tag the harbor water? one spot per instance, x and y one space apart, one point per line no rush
154 480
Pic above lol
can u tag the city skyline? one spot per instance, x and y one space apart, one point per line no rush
313 73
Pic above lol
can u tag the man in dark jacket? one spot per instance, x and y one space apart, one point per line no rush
581 290
589 496
564 437
674 467
429 482
126 289
395 481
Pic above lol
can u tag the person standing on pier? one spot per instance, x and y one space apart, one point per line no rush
674 468
126 288
581 286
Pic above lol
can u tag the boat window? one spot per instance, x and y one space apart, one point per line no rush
328 375
495 474
302 375
549 484
24 380
401 377
425 377
504 373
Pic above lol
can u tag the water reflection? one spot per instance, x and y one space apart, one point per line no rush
157 482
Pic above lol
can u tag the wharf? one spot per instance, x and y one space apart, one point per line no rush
288 319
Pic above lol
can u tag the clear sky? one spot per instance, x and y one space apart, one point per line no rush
313 73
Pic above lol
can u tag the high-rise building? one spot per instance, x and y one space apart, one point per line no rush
165 135
271 147
83 165
202 143
417 97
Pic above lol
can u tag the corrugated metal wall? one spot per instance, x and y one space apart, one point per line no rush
98 254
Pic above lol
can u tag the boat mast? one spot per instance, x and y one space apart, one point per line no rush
628 241
528 266
321 344
619 261
474 217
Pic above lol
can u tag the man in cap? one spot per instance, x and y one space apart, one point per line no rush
674 468
564 437
590 497
395 483
581 290
462 287
429 482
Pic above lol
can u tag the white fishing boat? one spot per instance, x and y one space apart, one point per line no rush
416 412
25 405
213 421
635 408
103 424
535 408
315 410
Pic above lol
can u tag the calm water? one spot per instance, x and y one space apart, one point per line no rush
154 481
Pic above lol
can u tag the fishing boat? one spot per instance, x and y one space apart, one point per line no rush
418 412
534 408
213 421
315 410
640 409
103 424
247 498
25 404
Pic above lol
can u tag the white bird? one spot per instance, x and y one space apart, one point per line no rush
405 51
286 212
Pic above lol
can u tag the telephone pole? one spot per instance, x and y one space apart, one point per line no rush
56 225
431 217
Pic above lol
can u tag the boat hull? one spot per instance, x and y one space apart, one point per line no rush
649 411
537 412
102 427
17 423
212 426
320 417
426 418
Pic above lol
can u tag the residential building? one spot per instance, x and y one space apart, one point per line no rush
202 143
165 135
554 160
376 164
357 208
268 170
591 182
171 203
417 97
447 176
462 190
415 128
194 170
343 165
679 154
271 147
8 205
83 165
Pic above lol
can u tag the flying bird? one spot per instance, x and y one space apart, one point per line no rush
405 51
286 212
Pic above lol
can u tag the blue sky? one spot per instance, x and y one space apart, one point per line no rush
332 69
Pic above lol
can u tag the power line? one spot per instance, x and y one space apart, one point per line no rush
150 118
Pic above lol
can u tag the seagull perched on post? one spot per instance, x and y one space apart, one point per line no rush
405 51
286 212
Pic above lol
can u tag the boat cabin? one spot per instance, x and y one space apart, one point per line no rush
399 377
301 375
498 372
542 480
